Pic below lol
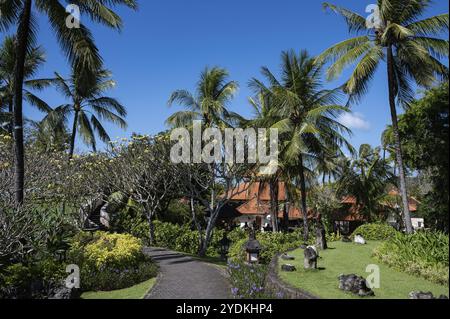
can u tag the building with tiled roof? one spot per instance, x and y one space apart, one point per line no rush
252 202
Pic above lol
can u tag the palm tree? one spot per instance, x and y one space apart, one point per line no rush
34 59
88 106
262 105
209 104
305 118
365 177
411 49
76 42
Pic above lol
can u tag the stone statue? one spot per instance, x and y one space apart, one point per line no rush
311 255
321 240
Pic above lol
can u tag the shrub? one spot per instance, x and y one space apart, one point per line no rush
424 254
375 231
19 281
271 244
110 261
180 238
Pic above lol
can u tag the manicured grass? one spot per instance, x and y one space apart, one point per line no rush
350 258
136 292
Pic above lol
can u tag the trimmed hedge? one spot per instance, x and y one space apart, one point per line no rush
375 231
425 254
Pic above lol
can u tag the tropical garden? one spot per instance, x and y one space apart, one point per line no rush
100 210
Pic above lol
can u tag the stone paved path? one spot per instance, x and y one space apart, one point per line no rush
183 277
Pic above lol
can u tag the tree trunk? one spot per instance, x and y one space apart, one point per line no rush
397 142
208 234
273 188
197 225
304 207
23 32
151 228
11 112
74 134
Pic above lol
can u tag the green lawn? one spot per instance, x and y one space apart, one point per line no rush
136 292
348 258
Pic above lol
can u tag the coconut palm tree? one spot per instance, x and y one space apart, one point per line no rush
88 106
263 117
306 118
411 48
34 59
365 177
75 39
208 104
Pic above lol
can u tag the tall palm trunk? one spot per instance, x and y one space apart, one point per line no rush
23 33
11 112
273 188
74 134
303 205
397 143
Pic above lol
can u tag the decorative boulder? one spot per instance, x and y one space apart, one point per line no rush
62 292
287 257
424 295
360 240
287 267
355 284
310 260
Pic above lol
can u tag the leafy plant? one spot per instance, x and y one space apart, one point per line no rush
375 231
424 253
110 261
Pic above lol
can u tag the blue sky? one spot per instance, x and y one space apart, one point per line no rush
165 45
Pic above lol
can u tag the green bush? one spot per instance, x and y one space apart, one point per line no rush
182 238
424 254
110 261
271 244
20 281
375 231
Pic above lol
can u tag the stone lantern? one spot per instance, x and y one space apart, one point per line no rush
224 246
252 248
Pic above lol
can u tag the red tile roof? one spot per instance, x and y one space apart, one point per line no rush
249 191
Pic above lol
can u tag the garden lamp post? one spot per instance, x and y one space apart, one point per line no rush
224 246
252 248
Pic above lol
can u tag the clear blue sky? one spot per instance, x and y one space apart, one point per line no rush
165 45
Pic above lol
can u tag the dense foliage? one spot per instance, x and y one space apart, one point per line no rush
375 231
271 244
424 253
110 261
425 131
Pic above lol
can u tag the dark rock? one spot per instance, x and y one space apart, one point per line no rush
303 246
424 295
287 257
288 267
62 292
355 284
310 260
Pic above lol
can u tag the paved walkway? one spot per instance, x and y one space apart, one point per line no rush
183 277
